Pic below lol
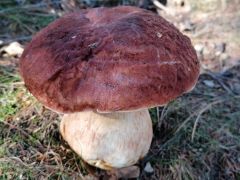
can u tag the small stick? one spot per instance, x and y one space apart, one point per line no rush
162 7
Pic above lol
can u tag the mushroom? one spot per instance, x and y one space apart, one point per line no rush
103 68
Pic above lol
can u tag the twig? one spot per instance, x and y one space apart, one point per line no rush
162 7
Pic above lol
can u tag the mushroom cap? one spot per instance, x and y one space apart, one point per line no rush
109 59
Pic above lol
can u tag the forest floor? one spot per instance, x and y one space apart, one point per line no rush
197 136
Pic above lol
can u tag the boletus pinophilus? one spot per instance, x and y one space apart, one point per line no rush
103 68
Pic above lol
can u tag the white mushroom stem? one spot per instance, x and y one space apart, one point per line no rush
107 141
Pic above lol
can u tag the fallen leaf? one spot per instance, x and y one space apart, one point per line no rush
13 49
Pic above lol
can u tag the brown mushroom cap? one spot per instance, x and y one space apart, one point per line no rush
109 59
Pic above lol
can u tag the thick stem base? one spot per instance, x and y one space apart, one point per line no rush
107 141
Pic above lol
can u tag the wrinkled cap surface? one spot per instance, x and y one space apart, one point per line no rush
109 59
